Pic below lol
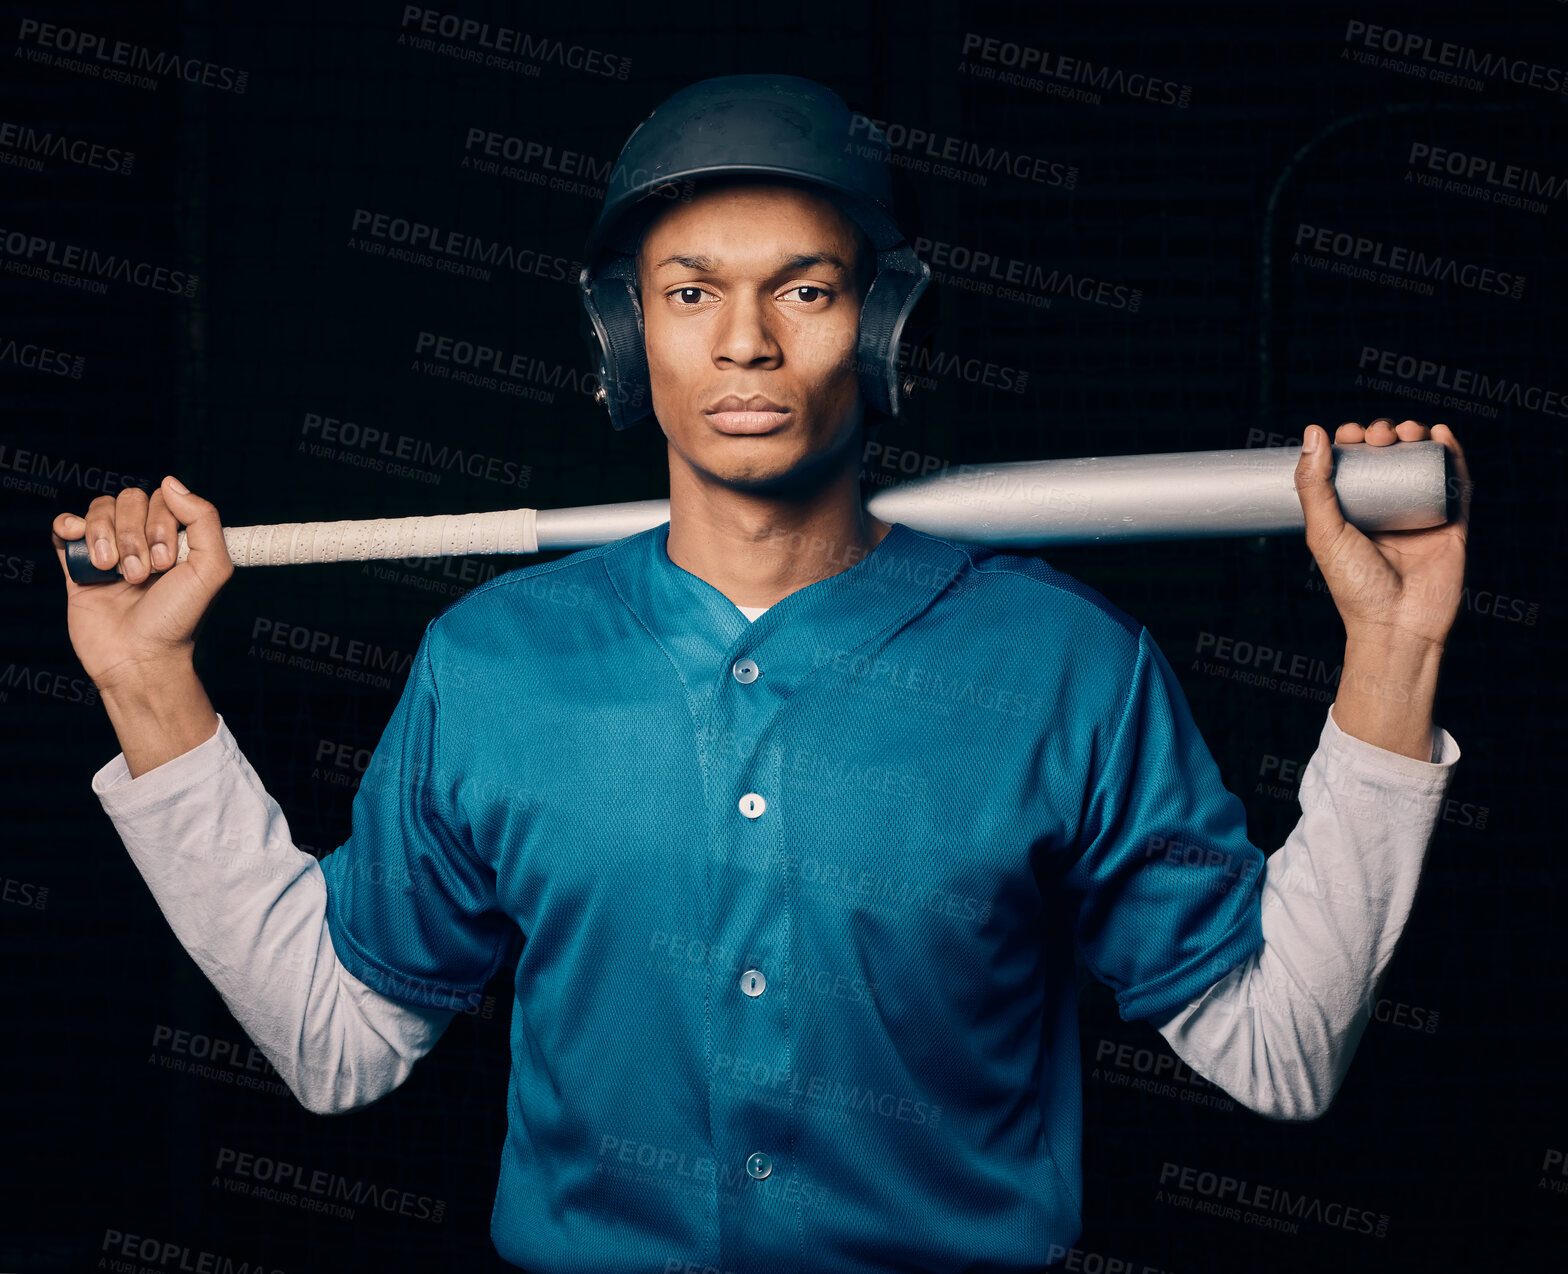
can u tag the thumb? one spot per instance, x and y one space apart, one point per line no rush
1315 488
203 529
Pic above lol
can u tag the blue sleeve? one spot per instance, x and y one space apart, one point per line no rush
411 907
1166 887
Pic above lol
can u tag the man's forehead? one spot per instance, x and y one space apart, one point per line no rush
783 260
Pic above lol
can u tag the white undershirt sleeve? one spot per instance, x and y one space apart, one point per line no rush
1277 1033
250 908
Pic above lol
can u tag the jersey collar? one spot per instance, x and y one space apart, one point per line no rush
703 633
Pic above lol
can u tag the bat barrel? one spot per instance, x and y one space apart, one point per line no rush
1177 496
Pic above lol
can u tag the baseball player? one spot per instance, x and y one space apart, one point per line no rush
790 820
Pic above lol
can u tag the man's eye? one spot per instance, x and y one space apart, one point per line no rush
689 296
808 294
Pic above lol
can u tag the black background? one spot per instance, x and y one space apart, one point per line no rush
1455 1098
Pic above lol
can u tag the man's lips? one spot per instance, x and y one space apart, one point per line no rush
748 421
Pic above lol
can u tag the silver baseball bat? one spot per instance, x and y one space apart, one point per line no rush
1025 503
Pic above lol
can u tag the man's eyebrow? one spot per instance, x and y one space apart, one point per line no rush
796 261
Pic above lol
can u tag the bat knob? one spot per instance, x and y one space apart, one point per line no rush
79 563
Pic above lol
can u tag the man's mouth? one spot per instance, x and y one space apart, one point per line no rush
754 415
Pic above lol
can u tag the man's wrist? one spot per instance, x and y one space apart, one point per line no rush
158 713
131 680
1387 686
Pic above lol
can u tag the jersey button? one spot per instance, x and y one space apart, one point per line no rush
759 1165
745 671
752 805
753 983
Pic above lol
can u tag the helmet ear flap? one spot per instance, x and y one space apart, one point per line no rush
917 342
900 279
610 297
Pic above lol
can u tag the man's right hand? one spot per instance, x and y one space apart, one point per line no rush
145 623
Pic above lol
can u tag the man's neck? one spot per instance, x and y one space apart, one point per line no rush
757 550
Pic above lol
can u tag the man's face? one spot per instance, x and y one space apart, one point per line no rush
752 308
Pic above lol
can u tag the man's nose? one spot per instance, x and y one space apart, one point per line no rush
744 334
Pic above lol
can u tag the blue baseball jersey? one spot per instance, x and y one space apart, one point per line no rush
793 903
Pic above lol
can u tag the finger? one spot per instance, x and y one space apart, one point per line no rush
66 526
1461 472
1315 487
1412 431
100 532
59 546
203 532
1380 433
130 533
162 532
1350 431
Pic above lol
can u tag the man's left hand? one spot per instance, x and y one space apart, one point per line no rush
1393 588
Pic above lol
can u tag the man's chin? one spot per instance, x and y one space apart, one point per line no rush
777 475
779 463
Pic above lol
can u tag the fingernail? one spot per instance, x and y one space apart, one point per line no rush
101 552
133 567
177 485
160 556
1309 443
